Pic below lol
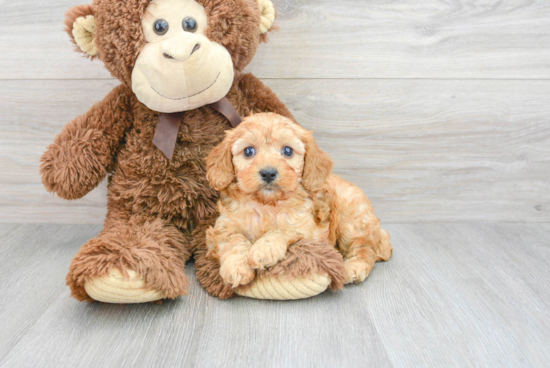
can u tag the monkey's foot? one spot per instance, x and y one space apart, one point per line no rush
115 288
274 288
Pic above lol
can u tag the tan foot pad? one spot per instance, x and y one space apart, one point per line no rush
115 288
277 289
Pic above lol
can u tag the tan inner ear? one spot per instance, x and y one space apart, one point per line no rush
268 15
84 32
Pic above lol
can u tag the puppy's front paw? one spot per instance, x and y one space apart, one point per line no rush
237 273
357 270
265 253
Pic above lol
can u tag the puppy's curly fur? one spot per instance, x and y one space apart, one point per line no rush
276 189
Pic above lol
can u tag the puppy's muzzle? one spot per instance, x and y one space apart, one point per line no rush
268 174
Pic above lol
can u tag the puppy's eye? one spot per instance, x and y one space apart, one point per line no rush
160 27
288 152
249 152
189 24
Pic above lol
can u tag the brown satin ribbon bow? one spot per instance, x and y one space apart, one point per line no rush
168 126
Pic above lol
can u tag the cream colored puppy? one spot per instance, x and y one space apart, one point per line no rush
276 188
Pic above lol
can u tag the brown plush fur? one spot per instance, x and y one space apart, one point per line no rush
138 245
153 203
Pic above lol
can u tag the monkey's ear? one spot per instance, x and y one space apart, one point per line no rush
80 25
317 164
268 16
219 165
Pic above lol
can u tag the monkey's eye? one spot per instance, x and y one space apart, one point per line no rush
287 151
249 152
160 27
189 24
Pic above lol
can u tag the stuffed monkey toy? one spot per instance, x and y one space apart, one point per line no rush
180 64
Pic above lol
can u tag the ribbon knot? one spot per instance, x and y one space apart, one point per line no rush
168 126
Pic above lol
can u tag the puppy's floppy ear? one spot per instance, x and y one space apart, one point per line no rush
317 164
219 165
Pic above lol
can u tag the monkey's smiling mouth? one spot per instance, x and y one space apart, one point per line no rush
183 98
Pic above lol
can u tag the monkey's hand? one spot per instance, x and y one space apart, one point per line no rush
71 166
82 155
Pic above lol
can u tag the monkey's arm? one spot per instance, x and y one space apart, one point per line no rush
261 98
83 153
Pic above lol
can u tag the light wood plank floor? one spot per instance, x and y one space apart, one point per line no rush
454 295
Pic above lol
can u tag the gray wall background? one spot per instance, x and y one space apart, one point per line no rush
439 110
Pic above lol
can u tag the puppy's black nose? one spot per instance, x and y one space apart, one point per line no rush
268 174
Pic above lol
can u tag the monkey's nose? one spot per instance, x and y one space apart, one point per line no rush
268 174
195 48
